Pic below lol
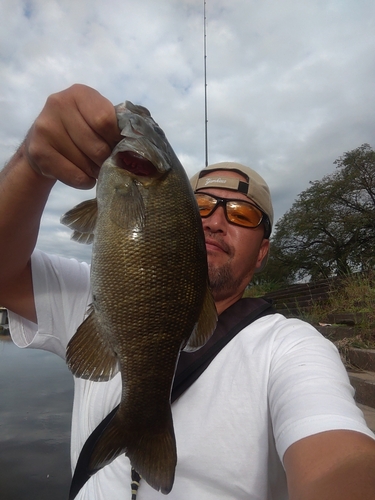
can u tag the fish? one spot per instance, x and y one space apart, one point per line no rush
150 292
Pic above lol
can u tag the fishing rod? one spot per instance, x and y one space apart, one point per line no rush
205 82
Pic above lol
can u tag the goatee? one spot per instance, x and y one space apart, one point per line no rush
222 281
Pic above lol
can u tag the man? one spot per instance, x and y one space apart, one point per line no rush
272 417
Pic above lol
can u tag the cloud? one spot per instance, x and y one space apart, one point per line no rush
290 84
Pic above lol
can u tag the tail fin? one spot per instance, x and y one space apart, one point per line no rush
151 450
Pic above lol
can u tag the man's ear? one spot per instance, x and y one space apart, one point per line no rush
262 255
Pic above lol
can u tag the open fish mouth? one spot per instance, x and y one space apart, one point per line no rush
136 164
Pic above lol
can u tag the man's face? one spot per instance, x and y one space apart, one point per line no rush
233 252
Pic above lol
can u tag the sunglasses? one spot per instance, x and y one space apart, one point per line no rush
238 212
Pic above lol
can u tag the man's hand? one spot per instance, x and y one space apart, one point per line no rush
73 135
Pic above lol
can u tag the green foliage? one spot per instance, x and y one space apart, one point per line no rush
261 288
330 229
356 294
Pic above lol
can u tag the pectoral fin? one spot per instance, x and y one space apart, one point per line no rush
89 355
128 208
82 219
206 324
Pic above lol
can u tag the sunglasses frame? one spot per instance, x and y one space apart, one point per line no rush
223 202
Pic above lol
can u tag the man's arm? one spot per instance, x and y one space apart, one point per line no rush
332 465
70 139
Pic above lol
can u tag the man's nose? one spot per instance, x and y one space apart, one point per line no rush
216 222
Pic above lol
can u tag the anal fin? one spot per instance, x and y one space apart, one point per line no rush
89 354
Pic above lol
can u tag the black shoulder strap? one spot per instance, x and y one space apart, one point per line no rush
189 368
186 377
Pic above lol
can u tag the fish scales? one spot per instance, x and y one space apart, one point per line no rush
150 293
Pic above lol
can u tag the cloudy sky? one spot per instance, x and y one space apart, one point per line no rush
290 82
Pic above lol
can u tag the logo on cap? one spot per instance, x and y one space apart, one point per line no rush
218 180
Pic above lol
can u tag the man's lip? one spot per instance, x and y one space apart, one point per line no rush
214 245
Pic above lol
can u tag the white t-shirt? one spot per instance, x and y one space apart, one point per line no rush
276 382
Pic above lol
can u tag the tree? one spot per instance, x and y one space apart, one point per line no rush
330 228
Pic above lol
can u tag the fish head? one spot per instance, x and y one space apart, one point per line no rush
144 153
136 169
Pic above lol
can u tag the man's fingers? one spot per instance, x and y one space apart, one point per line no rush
73 135
104 121
57 157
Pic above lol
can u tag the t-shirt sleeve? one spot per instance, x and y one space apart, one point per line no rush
62 295
309 389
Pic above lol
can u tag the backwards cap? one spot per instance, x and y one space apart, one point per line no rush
256 188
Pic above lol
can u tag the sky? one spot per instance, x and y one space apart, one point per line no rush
290 83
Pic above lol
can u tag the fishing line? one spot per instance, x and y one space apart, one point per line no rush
205 81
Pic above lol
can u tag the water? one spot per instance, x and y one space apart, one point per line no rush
36 391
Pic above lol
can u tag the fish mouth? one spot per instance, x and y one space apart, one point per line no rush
136 164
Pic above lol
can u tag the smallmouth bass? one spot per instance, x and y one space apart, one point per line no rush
151 297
